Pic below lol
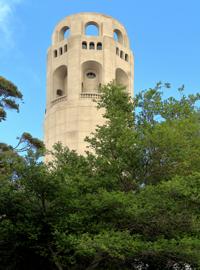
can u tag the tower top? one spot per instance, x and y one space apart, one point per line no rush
77 23
88 50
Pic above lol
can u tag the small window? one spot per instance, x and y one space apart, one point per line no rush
121 54
65 48
61 51
126 57
99 46
84 45
91 75
59 92
92 47
55 53
117 51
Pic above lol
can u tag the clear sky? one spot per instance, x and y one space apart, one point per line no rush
164 35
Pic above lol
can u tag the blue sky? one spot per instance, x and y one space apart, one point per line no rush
164 35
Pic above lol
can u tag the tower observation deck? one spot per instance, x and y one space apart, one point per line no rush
78 65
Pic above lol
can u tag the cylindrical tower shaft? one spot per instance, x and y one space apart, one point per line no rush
77 65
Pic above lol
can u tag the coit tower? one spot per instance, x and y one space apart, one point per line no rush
88 50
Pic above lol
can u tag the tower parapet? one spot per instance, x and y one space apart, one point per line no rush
77 65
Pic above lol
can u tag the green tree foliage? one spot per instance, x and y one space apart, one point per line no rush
9 156
131 203
8 96
10 159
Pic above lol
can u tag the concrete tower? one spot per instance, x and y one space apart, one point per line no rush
77 65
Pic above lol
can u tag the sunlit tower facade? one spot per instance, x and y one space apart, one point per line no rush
78 64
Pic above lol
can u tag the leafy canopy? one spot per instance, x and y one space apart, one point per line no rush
132 202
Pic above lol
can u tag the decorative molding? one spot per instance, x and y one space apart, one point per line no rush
90 95
58 100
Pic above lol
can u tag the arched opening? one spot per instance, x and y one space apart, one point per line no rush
121 78
60 81
60 50
91 76
121 54
92 46
91 29
84 45
64 33
126 57
117 35
99 46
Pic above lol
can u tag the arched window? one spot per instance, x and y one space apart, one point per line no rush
65 48
121 54
92 46
117 35
60 81
117 51
91 76
91 29
84 45
64 33
99 46
126 57
55 53
60 50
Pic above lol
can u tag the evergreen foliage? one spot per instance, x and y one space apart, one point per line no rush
132 202
9 93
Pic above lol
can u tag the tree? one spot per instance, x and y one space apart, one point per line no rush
131 203
12 164
9 93
148 139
